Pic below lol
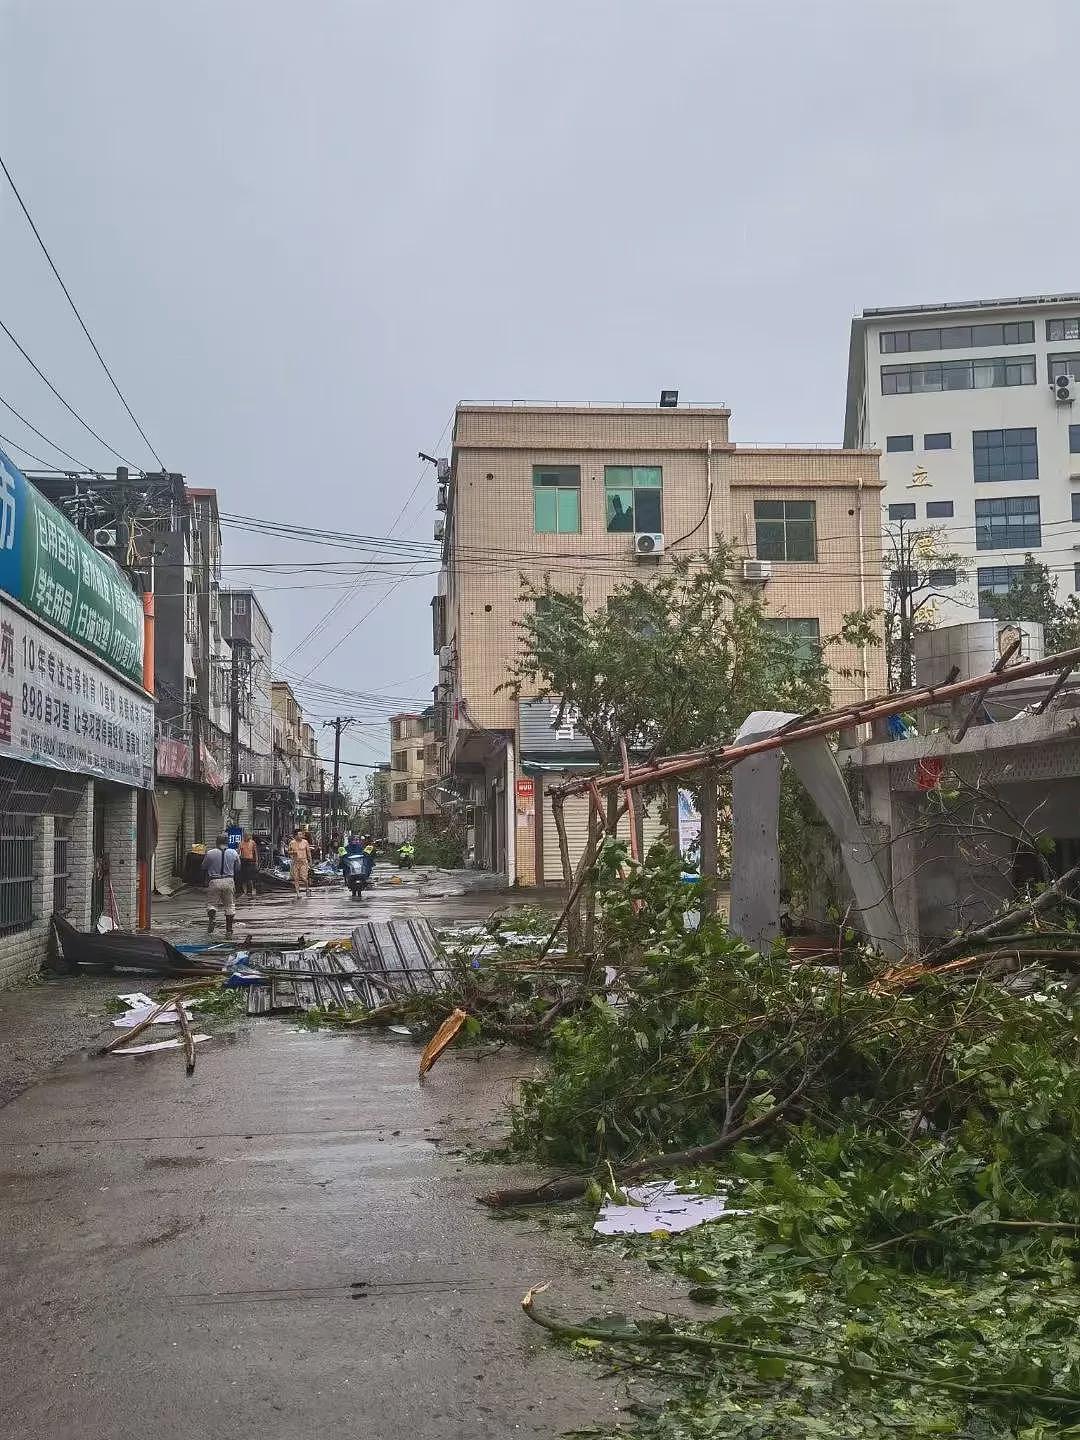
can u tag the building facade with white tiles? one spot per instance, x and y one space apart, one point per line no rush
975 407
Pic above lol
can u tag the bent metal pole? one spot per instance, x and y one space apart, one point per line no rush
724 756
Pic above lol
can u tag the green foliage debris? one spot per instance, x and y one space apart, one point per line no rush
909 1156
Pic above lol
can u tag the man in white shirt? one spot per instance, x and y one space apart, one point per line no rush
220 866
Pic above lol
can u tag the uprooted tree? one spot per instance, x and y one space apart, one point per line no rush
677 662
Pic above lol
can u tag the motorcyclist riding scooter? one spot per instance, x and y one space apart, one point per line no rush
405 856
354 867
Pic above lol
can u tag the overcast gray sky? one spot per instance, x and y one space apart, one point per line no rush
300 232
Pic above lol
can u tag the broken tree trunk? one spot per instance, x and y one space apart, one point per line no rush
573 917
590 890
671 812
709 869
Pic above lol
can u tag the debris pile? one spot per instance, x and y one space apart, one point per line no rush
898 1146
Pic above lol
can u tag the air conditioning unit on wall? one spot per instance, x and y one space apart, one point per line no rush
1065 389
648 543
757 571
440 528
105 539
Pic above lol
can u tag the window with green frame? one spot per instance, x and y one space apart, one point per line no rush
785 530
804 636
557 499
632 495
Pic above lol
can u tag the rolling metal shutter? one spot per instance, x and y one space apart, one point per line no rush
576 815
170 818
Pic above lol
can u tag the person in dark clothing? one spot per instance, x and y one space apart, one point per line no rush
249 866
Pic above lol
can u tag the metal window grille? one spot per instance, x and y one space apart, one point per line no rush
16 873
61 865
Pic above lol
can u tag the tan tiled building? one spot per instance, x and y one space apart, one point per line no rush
414 773
594 496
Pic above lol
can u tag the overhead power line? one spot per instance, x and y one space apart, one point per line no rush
58 448
22 449
86 426
321 624
75 310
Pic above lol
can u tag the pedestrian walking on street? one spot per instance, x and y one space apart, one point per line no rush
249 865
300 861
221 866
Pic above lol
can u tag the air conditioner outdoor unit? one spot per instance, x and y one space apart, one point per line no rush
105 539
442 471
440 528
648 544
441 497
1065 389
446 656
757 571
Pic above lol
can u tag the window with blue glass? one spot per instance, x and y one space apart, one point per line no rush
1005 454
939 509
1011 523
995 580
938 440
893 443
901 512
1074 439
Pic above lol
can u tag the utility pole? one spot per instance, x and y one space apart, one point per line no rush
339 723
234 726
322 811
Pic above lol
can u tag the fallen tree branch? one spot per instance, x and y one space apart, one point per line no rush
189 1039
1021 914
126 1036
571 1187
661 1338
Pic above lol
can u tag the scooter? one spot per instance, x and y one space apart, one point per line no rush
405 857
352 867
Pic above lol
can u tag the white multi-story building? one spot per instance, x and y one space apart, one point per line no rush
977 440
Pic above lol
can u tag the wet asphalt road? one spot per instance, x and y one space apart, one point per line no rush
285 1245
329 910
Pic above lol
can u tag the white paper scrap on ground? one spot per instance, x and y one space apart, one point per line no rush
157 1045
137 1000
660 1206
139 1013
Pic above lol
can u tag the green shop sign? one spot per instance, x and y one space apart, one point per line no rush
52 570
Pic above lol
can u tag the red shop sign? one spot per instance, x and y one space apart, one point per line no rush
525 788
